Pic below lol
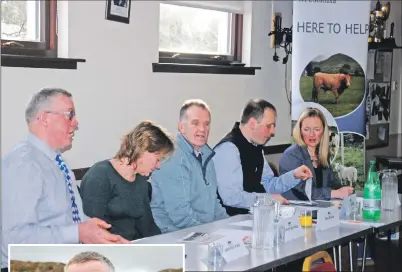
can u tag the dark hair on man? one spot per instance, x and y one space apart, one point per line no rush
255 109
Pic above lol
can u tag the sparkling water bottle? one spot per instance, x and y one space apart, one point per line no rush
372 195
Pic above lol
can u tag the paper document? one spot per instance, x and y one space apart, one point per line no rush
303 203
370 64
200 237
244 234
245 223
309 188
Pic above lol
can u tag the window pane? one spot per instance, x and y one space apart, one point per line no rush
20 20
194 30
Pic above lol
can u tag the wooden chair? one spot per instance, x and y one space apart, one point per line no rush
328 264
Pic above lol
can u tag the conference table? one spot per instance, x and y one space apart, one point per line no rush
312 241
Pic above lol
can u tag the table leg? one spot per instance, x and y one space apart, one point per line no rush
364 253
335 258
400 236
351 255
340 257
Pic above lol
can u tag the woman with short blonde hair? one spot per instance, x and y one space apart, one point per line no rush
117 190
311 134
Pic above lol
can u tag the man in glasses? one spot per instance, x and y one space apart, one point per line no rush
40 200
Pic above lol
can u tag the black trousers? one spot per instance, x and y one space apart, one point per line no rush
4 270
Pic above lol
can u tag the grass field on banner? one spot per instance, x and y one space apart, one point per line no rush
353 156
349 100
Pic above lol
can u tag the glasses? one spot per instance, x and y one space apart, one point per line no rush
69 114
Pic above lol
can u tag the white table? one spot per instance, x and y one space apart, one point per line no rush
312 242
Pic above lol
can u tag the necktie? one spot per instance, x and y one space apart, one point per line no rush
63 167
199 158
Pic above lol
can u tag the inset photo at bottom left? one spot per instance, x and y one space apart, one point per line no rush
99 258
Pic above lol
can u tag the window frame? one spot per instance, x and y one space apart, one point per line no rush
212 59
48 28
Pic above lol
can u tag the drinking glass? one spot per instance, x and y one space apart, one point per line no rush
389 187
306 218
215 258
263 235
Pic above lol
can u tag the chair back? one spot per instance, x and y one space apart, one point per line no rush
274 169
328 264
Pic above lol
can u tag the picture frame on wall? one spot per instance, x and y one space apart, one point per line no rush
118 10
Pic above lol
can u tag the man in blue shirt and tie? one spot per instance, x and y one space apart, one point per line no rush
240 166
40 200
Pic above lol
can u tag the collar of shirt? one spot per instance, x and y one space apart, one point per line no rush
254 144
42 146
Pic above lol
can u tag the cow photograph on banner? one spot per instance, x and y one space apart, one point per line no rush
330 45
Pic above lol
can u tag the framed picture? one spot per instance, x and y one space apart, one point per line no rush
118 10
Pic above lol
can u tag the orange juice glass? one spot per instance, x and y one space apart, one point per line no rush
306 219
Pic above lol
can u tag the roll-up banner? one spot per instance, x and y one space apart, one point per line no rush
329 59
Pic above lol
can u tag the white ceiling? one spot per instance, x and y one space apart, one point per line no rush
139 258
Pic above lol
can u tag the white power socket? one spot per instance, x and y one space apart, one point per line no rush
394 86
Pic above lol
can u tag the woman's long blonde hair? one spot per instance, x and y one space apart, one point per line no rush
323 149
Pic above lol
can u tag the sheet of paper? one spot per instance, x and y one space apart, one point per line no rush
308 188
244 234
379 62
370 64
303 203
245 223
358 222
200 237
233 247
387 66
327 218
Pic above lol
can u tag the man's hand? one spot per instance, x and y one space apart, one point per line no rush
342 192
302 172
94 231
281 199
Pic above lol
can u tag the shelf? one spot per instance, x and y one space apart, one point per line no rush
387 44
39 62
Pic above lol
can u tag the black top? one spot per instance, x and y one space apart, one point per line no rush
252 163
123 204
318 176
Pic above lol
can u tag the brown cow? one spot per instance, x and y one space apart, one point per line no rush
337 83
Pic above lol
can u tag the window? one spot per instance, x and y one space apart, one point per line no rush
29 28
199 36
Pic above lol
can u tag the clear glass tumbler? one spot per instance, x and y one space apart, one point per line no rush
389 188
263 236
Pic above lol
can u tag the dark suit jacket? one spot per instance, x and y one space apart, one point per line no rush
295 156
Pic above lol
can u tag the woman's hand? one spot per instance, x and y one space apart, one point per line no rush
342 192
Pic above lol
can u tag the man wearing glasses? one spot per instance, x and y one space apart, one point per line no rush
40 201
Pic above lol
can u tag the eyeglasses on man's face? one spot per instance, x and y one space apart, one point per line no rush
69 115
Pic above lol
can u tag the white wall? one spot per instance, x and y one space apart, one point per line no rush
125 258
116 88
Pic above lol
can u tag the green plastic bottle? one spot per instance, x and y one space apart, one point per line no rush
372 195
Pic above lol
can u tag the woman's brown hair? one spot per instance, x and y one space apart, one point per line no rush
146 136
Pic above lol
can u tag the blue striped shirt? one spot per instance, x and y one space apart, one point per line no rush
36 205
